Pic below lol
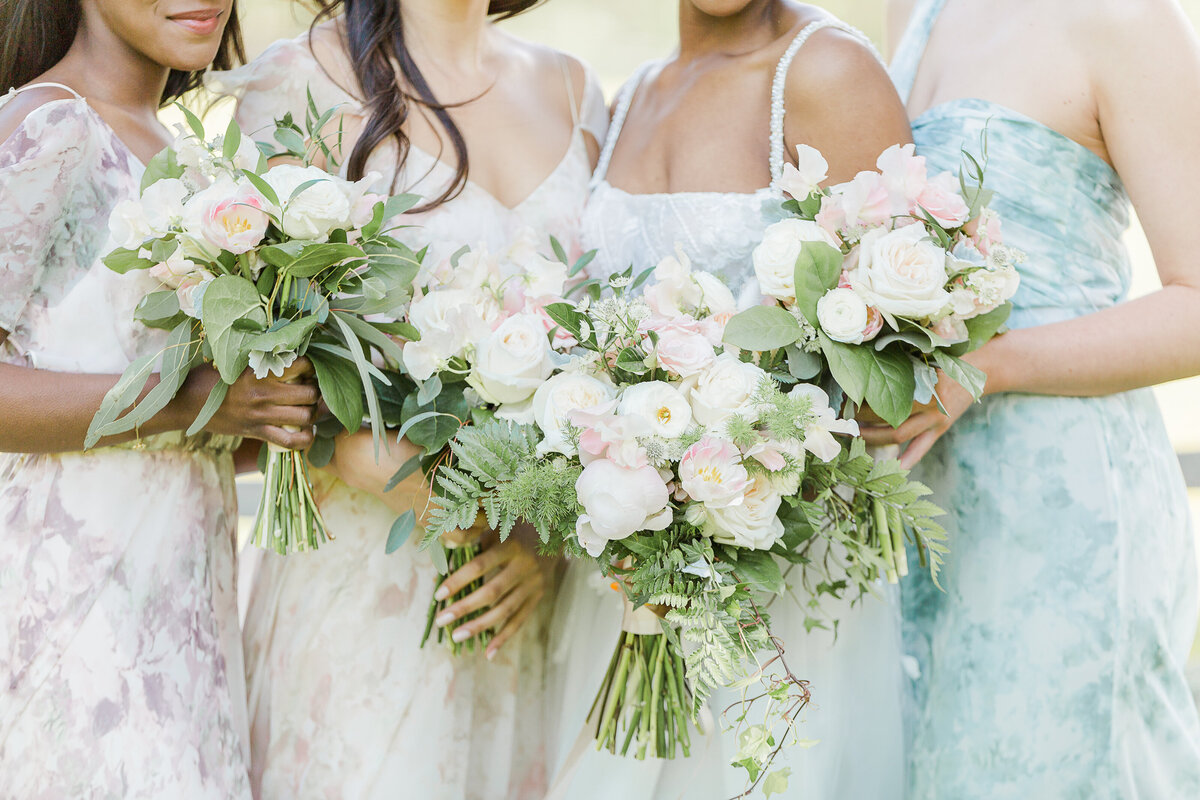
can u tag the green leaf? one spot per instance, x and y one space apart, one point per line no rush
429 390
885 380
433 425
803 365
365 370
159 310
263 187
776 782
122 261
321 452
372 335
316 258
406 469
965 375
817 271
559 252
181 353
762 328
232 140
227 300
215 398
340 386
164 165
291 140
193 121
921 339
583 261
399 204
983 328
760 569
402 528
121 396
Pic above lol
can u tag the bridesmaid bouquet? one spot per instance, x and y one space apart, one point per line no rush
688 470
475 348
881 281
257 267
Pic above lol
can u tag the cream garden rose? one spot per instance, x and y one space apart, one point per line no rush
317 211
558 398
775 257
753 523
660 404
512 362
902 273
725 388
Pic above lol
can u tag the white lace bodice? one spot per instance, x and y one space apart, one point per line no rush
716 230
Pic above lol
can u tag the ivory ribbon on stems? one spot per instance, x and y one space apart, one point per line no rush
641 620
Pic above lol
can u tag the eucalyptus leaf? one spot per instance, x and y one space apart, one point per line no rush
762 328
159 310
121 396
433 425
372 335
227 300
232 140
291 140
884 380
321 452
364 368
180 355
122 261
803 365
429 390
163 166
213 404
406 469
340 386
402 528
965 375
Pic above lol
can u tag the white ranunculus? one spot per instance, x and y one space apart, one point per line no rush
619 502
512 362
992 288
806 176
556 399
775 256
318 210
715 295
660 404
902 273
754 523
726 388
843 315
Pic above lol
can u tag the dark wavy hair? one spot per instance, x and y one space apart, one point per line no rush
390 81
36 34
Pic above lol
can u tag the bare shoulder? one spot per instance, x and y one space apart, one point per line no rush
18 109
1124 39
545 64
833 61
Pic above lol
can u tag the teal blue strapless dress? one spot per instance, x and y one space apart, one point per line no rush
1051 667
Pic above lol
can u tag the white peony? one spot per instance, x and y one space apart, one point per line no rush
754 523
556 399
619 502
660 404
775 256
726 388
711 473
843 315
902 273
317 211
512 362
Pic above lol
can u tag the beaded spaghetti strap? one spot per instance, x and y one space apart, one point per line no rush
624 100
780 83
907 58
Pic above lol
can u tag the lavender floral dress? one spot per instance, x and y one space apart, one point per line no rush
120 659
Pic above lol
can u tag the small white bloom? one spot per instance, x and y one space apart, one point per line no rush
274 361
810 172
843 315
660 404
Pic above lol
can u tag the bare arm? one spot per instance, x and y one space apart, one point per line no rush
49 412
841 101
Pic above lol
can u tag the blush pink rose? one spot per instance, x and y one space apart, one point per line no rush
941 198
682 351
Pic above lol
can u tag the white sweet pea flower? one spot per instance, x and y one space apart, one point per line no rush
545 277
810 171
818 434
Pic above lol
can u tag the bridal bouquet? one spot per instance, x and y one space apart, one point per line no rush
258 266
475 345
688 470
882 281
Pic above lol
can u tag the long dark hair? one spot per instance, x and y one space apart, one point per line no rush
389 81
36 34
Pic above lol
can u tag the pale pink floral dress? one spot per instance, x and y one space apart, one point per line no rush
343 703
120 660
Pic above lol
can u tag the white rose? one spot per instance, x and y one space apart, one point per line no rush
660 404
512 362
724 389
754 523
775 256
715 295
810 171
902 273
619 502
843 315
318 210
557 398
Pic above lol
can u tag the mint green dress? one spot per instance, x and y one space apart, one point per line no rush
1051 667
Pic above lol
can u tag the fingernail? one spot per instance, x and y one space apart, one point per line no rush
442 593
491 654
460 635
445 618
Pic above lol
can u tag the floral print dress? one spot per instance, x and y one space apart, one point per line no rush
120 659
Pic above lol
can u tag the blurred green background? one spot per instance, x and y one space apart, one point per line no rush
615 36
